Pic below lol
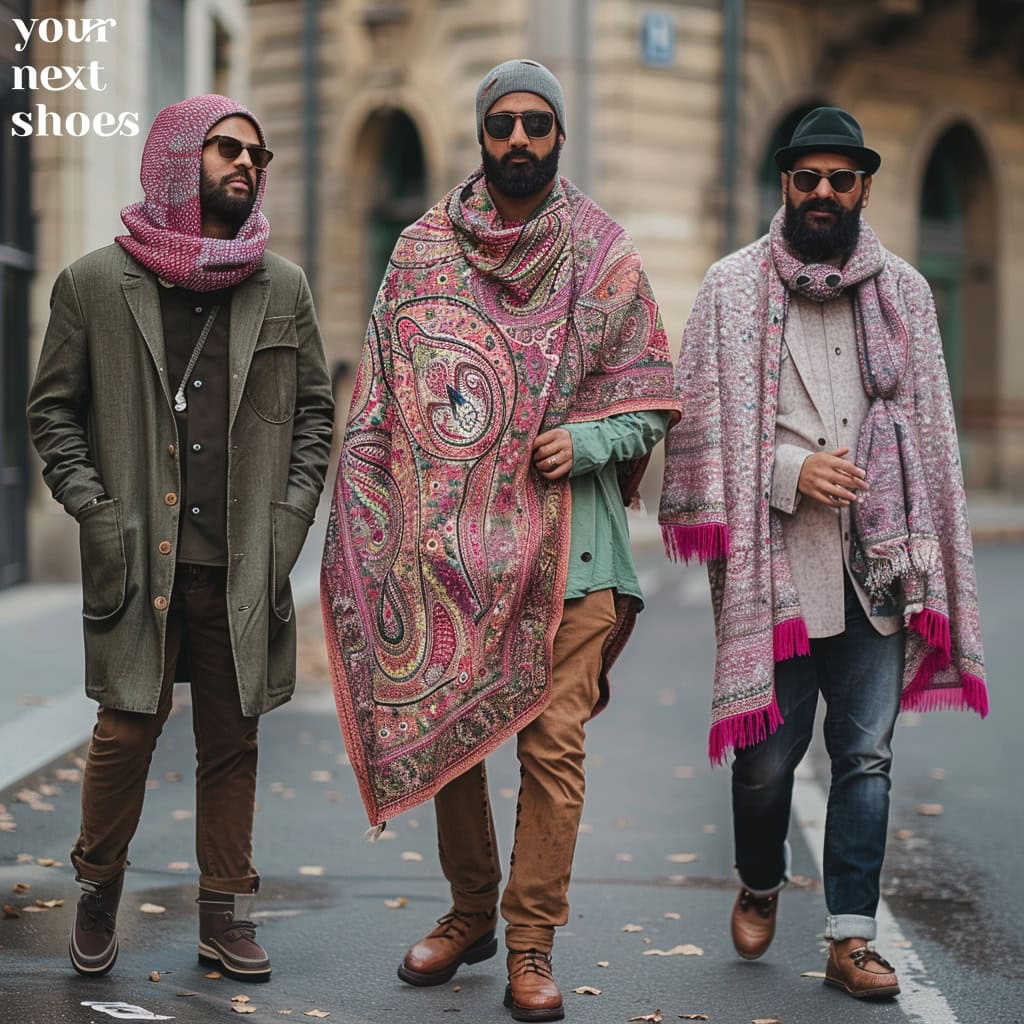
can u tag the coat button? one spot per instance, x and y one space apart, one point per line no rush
170 498
197 447
195 510
164 547
821 441
171 449
838 350
160 603
197 384
586 556
845 421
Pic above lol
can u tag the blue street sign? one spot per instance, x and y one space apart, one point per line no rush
658 39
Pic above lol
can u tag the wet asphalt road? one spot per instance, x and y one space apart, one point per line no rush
655 851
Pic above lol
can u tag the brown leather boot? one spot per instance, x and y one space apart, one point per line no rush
531 993
848 972
753 923
458 939
227 939
93 945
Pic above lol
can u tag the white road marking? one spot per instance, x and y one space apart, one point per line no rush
919 997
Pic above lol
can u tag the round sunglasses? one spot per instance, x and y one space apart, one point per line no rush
536 123
842 180
229 148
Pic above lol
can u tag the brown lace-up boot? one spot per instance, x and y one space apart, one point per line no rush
227 939
532 994
753 923
459 938
93 945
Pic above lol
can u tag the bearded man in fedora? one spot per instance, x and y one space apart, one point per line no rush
816 470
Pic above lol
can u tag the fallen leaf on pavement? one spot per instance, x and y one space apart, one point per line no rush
413 823
683 858
456 988
50 904
686 950
812 974
213 975
710 830
154 975
930 810
68 775
178 865
625 858
334 796
507 793
585 829
671 915
411 855
20 887
632 928
33 910
6 825
683 771
587 990
152 908
172 776
317 1013
765 1020
902 944
387 837
284 1013
243 1008
49 790
152 784
10 912
25 858
651 1018
240 999
185 995
694 1016
321 776
647 941
904 833
311 869
181 815
48 862
396 904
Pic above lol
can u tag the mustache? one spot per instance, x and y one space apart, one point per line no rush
240 176
506 160
821 206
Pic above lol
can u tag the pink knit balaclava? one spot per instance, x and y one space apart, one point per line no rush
166 227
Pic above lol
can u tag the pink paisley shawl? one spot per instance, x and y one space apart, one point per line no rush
718 469
445 564
166 228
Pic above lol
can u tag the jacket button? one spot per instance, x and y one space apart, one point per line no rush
821 441
845 421
164 547
170 498
171 449
160 603
586 556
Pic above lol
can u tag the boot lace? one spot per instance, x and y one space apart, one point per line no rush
862 955
534 962
761 904
241 928
455 924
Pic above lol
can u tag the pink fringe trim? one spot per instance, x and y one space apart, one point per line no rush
933 627
710 540
790 638
970 695
742 731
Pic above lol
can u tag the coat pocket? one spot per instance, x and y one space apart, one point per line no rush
290 526
270 386
104 566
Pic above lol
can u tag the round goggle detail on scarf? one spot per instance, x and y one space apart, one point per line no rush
536 123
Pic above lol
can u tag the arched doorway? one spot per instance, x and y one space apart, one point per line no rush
956 253
397 188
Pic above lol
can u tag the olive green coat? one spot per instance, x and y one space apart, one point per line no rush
101 419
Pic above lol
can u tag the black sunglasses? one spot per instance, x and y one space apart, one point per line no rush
536 123
229 148
842 180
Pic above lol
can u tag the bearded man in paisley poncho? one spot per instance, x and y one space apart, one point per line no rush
477 577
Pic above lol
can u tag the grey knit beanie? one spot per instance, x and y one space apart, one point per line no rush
518 76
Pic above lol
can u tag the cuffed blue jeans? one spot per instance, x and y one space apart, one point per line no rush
859 673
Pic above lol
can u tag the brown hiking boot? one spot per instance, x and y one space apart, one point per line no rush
227 939
850 972
753 923
93 945
458 939
531 993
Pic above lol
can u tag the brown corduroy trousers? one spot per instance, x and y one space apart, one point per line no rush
550 752
123 742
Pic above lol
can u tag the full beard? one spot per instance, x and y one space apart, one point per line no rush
216 202
821 244
525 180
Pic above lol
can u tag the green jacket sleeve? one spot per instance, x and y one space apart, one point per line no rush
629 435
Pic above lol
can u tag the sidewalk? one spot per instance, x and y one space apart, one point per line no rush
44 711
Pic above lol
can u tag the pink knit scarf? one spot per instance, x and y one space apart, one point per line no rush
166 227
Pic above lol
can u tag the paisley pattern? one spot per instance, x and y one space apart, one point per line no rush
445 564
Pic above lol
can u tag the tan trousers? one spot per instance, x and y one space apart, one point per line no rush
123 742
550 752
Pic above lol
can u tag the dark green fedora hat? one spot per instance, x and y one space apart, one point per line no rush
828 130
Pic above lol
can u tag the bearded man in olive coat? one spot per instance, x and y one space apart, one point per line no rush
182 408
